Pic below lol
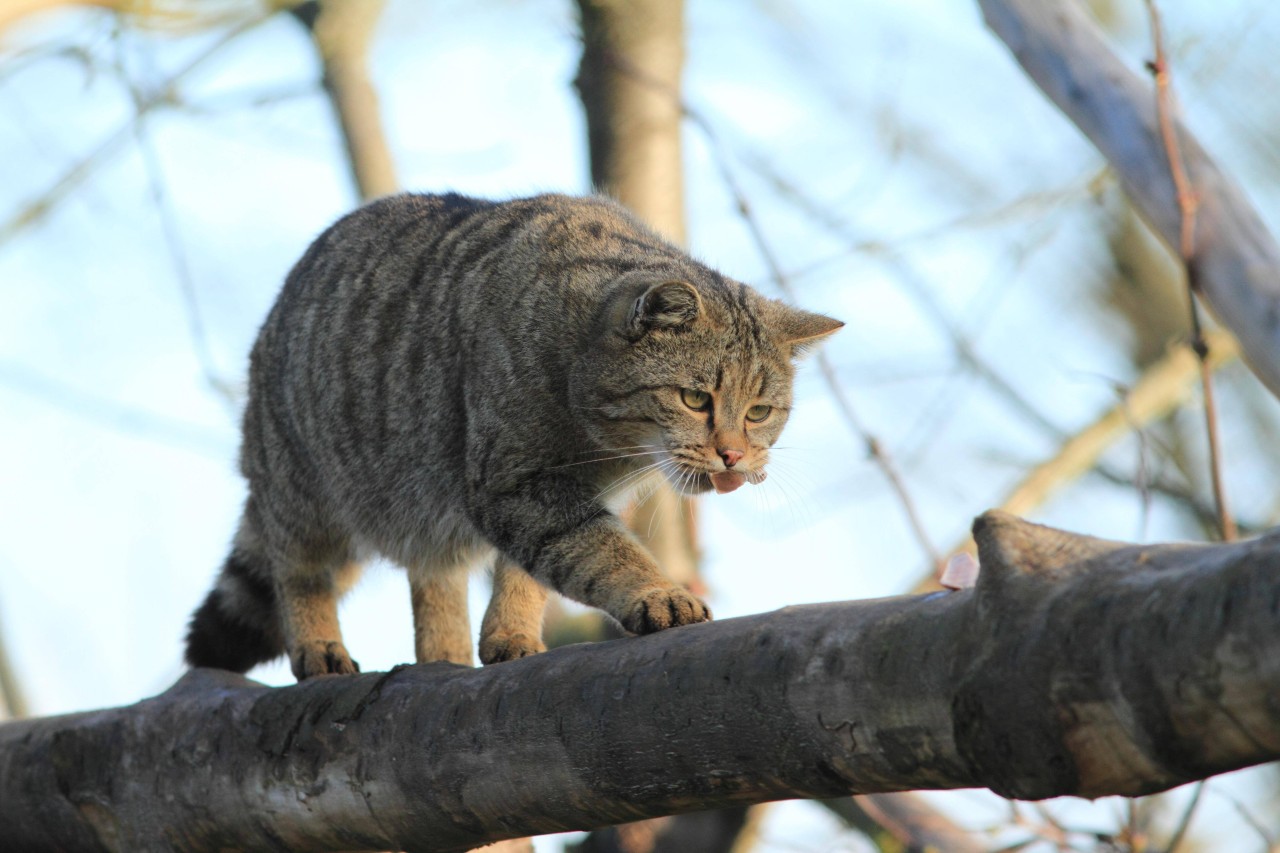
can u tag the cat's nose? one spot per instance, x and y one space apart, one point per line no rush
730 457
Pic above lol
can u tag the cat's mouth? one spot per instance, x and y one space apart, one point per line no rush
690 482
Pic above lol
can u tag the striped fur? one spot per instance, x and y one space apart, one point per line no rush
447 381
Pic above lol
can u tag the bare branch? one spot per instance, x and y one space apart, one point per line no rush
1075 666
163 95
1161 389
1184 822
14 10
13 700
874 447
905 822
104 412
342 30
1237 260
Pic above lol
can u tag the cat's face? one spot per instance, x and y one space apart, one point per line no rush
698 383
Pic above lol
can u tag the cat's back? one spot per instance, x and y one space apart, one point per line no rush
413 318
408 245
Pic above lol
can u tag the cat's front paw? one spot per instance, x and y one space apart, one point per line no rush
497 648
320 657
665 608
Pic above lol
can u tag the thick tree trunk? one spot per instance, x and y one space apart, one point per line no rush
629 82
1076 666
1237 260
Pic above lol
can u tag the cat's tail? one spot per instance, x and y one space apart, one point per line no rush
237 626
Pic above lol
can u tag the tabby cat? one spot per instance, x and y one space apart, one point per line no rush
448 381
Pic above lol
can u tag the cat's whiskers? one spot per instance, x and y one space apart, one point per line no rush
648 490
687 476
646 450
605 459
626 480
671 466
623 447
789 486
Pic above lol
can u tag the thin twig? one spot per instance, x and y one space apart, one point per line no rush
874 448
162 95
891 256
1188 812
173 242
1188 203
13 700
1161 389
1267 837
105 413
1154 483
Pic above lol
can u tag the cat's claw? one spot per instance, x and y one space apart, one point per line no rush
321 657
665 608
499 648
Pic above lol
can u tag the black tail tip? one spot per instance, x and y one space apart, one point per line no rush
216 639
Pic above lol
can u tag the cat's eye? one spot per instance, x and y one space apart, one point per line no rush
699 401
757 413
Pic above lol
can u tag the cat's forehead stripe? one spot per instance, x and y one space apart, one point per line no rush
746 315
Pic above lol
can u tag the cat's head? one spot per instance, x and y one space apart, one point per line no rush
694 377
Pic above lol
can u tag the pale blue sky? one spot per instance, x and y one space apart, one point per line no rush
907 124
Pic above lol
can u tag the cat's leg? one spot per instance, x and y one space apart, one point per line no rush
308 591
441 623
512 626
565 538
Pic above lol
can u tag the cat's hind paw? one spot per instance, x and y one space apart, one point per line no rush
321 657
665 608
498 648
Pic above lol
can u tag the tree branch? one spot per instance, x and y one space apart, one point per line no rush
1075 666
904 822
342 32
1161 389
1236 259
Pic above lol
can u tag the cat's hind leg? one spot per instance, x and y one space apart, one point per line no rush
512 626
309 591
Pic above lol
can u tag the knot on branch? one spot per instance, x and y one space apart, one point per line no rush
1008 545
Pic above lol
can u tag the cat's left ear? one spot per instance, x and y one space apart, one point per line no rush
802 330
668 305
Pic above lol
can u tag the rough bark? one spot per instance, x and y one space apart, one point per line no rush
1236 259
1075 666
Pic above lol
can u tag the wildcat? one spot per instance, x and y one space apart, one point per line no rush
446 381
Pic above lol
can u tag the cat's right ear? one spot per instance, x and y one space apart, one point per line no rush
669 305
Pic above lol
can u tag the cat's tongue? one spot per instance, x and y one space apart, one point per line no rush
726 481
